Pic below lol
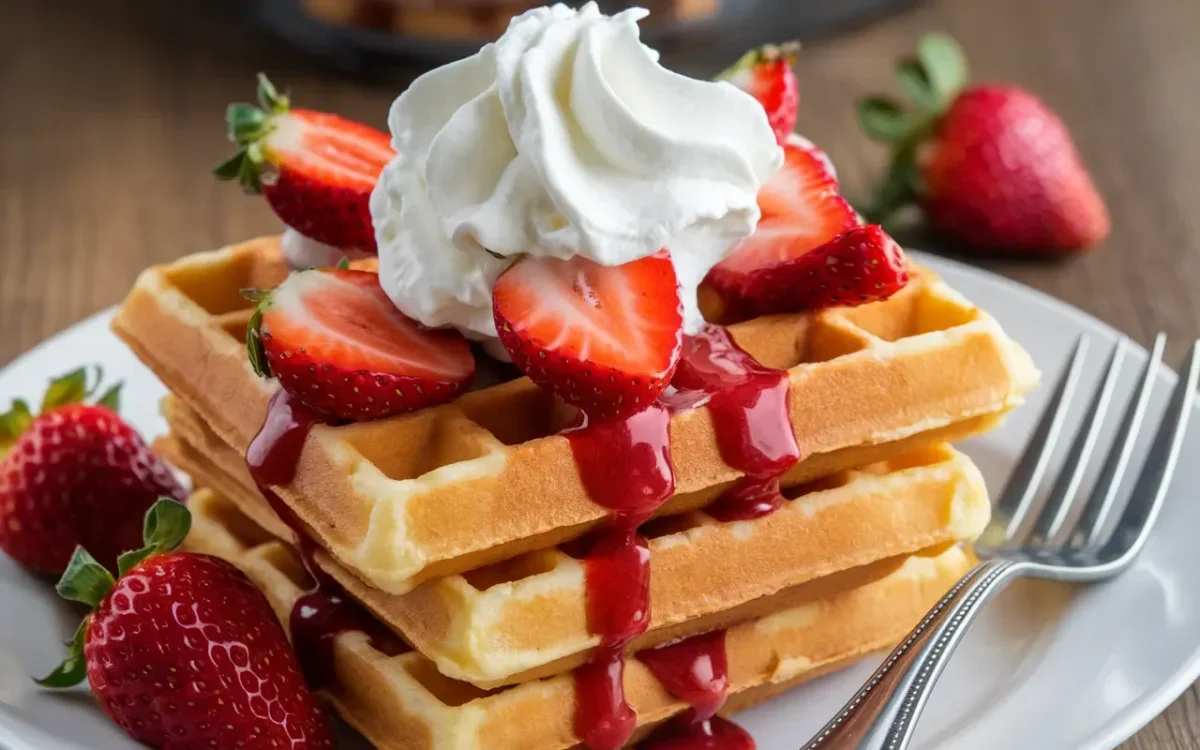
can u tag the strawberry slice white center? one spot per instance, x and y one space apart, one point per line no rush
592 312
801 210
316 143
349 320
604 338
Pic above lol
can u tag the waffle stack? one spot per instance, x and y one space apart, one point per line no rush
454 526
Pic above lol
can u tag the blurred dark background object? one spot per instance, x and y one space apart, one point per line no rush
369 37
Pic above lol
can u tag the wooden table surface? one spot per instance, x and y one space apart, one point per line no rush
112 117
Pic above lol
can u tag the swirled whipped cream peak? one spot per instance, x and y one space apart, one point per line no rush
563 138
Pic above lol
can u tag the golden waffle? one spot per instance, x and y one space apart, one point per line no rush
526 617
403 703
485 478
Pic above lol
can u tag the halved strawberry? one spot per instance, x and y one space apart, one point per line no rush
859 266
604 338
801 210
336 343
766 74
316 170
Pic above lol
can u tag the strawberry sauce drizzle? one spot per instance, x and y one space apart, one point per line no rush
324 611
695 670
716 733
748 404
625 466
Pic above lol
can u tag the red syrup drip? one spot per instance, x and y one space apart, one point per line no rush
749 407
711 734
694 670
322 613
625 465
750 498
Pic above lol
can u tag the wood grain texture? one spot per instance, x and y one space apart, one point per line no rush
112 117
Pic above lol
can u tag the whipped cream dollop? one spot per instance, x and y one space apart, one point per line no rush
563 138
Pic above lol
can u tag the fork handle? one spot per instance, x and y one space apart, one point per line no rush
884 712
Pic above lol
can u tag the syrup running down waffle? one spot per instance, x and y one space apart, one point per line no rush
527 617
410 515
400 701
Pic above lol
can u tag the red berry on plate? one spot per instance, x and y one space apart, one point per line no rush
1004 174
316 170
992 166
604 338
766 74
182 651
801 210
74 474
859 266
335 342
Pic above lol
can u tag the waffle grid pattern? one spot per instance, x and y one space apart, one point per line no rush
525 618
457 487
402 702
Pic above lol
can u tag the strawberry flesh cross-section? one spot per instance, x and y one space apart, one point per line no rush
335 341
604 338
801 210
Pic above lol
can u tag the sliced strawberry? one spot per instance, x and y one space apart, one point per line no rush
335 342
801 210
604 338
316 170
859 266
767 75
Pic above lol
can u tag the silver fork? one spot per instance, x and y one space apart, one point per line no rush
883 713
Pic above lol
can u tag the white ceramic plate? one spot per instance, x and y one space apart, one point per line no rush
1046 667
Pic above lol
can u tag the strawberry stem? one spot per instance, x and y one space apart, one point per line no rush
73 669
945 65
12 423
269 97
166 526
248 126
931 81
112 397
70 388
84 580
254 345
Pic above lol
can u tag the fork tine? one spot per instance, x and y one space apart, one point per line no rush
1062 498
1095 513
1135 523
1022 486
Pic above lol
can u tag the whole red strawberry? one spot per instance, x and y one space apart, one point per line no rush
183 652
991 165
337 343
316 170
75 474
766 74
